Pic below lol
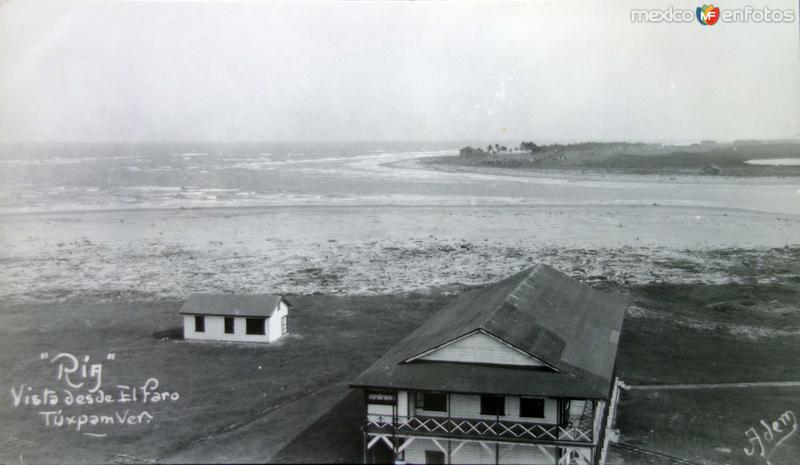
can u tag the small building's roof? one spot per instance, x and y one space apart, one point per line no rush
253 305
570 327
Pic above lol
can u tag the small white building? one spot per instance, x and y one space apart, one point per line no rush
241 318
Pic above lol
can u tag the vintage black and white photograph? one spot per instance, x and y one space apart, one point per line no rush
400 232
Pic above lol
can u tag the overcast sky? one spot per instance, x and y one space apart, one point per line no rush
392 71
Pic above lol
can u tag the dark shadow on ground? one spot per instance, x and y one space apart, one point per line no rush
175 333
334 438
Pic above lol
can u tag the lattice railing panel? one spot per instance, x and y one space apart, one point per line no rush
478 427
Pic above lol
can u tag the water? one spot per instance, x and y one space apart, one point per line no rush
775 161
52 178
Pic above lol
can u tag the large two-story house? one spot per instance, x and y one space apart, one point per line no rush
521 371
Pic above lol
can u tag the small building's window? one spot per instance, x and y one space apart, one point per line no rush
383 398
228 325
284 324
432 401
199 324
434 456
531 407
493 405
255 326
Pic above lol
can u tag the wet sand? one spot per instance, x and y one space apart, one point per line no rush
381 249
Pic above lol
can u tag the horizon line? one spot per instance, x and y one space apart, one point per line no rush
351 141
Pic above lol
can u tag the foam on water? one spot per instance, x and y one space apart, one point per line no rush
775 161
269 175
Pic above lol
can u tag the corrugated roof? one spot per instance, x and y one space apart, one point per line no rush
253 305
562 322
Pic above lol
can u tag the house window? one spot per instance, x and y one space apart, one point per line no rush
531 407
383 398
284 324
199 324
493 405
434 456
432 401
255 326
228 325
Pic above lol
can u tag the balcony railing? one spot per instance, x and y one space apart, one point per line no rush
470 427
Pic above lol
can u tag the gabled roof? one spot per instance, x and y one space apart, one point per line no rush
567 325
253 305
478 347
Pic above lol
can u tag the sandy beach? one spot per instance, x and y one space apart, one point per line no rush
380 250
162 222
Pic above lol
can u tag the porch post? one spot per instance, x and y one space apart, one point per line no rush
395 452
365 403
449 451
364 440
559 410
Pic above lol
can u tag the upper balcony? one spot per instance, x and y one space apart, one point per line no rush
463 428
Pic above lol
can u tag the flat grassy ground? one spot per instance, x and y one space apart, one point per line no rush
290 402
238 402
709 334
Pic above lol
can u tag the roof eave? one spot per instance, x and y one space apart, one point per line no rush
577 394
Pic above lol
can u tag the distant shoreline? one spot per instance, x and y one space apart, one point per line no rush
704 160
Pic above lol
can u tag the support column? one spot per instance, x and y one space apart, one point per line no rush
449 452
364 440
395 451
449 449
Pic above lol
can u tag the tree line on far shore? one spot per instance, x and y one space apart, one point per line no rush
490 149
530 147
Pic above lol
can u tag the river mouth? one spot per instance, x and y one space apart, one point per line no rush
774 161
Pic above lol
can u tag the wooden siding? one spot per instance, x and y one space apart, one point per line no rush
215 328
380 410
468 453
469 406
528 454
474 453
402 403
480 347
576 407
274 322
387 411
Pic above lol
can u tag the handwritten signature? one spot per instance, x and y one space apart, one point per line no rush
768 437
